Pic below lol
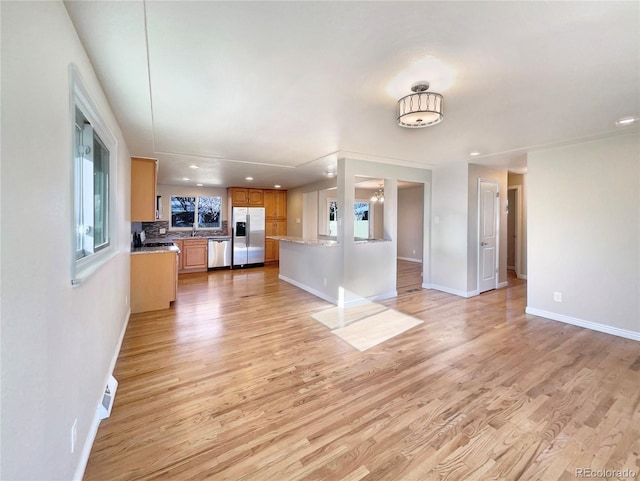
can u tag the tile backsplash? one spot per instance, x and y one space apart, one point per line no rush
152 230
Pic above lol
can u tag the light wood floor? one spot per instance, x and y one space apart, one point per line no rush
238 382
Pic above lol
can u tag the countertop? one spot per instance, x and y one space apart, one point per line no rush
300 240
155 250
171 238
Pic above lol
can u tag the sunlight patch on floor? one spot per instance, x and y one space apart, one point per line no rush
366 325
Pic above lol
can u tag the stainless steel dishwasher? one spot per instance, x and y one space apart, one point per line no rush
219 252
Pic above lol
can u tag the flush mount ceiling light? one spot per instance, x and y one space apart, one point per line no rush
248 178
626 121
378 196
194 166
421 108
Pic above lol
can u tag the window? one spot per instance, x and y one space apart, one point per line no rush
361 226
361 220
195 212
93 167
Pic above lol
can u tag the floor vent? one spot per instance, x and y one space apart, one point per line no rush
104 408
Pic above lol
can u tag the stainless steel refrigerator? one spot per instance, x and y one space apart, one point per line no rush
248 236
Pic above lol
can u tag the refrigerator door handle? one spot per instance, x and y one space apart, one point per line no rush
247 241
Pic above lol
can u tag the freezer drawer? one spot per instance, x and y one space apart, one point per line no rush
219 253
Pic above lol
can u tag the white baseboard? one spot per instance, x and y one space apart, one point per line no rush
410 259
511 268
310 290
522 276
502 284
448 290
594 326
95 422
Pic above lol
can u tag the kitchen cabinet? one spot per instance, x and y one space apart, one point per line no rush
144 177
275 218
153 281
180 255
277 227
242 197
275 204
194 255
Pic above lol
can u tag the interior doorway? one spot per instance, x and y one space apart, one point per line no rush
514 228
410 228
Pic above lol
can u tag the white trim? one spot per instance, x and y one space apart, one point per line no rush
522 276
95 422
502 285
594 326
479 249
310 290
455 292
82 269
410 259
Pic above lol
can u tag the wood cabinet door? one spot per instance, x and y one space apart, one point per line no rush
239 197
281 227
143 189
281 204
195 254
256 197
269 203
270 247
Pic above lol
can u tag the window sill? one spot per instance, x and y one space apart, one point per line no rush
82 274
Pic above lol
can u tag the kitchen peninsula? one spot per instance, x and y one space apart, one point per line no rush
317 266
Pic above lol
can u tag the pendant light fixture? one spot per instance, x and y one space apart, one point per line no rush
378 196
421 108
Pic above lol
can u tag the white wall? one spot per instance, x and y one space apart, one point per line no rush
584 234
410 226
449 229
58 342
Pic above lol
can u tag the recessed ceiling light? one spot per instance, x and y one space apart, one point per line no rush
194 166
474 154
330 173
248 178
626 121
185 178
277 186
199 185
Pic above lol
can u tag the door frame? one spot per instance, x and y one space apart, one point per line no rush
518 214
497 220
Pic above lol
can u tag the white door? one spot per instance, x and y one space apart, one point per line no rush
488 230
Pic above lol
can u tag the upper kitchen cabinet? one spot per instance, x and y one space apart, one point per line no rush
242 197
275 204
144 174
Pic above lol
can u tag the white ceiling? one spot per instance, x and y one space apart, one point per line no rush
280 90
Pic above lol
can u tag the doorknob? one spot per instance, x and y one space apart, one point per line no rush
484 243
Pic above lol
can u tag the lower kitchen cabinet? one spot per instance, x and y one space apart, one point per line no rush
153 281
272 247
194 255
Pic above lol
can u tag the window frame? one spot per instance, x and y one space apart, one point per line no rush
196 224
331 200
79 97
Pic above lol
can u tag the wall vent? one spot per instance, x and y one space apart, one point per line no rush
104 408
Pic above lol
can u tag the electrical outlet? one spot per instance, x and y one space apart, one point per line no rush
74 435
414 252
126 301
324 281
557 296
163 231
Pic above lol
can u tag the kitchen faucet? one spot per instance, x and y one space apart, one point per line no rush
193 231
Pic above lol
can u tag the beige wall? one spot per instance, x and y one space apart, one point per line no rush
58 342
584 234
449 224
410 222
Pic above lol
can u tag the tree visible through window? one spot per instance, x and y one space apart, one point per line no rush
361 219
200 212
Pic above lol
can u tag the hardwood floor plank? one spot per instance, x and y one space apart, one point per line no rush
238 381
